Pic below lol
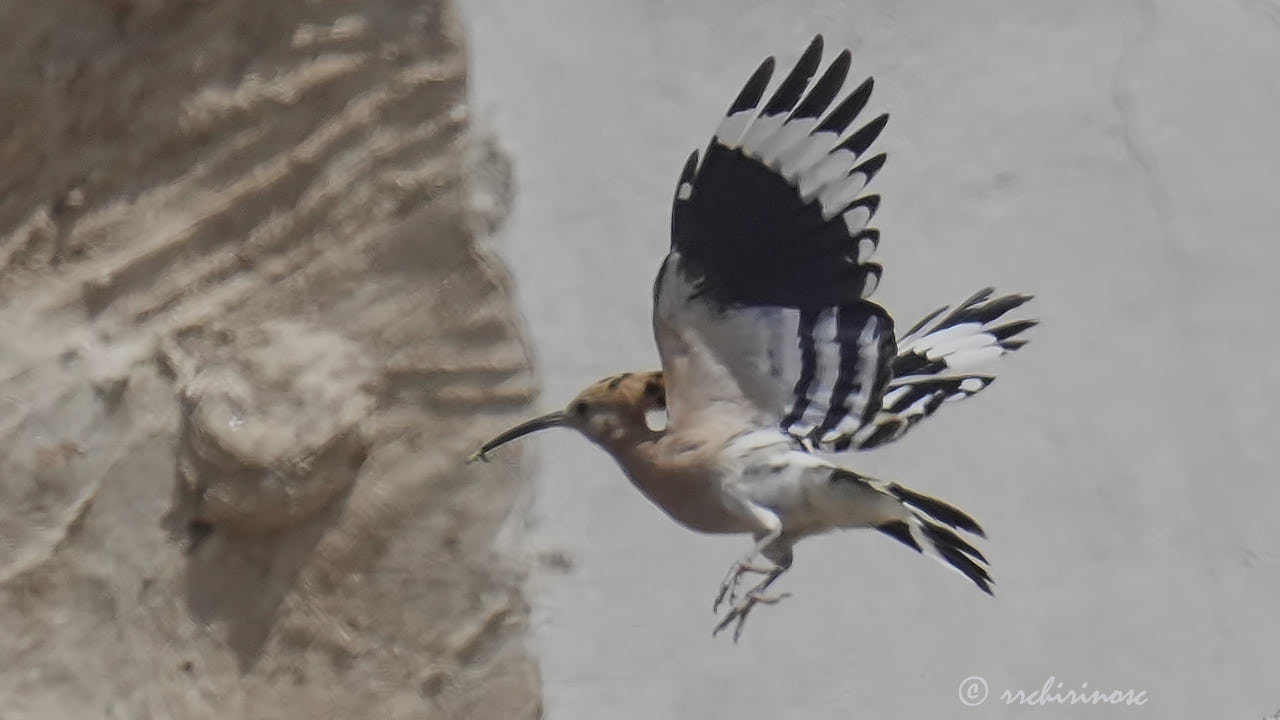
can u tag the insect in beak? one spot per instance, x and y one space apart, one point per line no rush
550 420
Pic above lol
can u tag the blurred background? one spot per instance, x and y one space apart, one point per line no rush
269 272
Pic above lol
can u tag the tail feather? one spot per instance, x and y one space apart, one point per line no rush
943 535
928 530
936 509
965 564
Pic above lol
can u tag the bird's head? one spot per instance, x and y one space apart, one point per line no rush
610 412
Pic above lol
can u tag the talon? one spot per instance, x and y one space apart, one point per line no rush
738 613
729 586
724 590
750 599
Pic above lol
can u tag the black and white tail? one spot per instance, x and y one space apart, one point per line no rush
923 523
933 359
931 529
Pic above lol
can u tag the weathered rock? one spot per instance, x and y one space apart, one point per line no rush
247 342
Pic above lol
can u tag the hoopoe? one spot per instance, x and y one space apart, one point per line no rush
772 353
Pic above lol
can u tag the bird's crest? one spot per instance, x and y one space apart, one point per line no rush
639 391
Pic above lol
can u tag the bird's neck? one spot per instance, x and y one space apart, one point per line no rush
653 460
632 446
641 457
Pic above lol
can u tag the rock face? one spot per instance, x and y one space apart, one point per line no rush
246 344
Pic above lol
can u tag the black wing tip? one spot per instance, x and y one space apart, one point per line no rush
1008 330
848 108
740 201
960 311
1013 299
690 168
925 321
815 46
825 90
872 165
871 202
793 85
812 55
978 297
749 97
988 310
862 138
843 58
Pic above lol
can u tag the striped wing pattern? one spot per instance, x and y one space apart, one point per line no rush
934 357
763 298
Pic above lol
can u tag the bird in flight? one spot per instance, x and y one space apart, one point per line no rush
773 357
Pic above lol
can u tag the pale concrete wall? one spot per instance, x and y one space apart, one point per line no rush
1118 159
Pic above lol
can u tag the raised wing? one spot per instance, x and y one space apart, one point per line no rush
761 305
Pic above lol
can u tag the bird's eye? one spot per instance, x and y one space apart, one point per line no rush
654 391
581 408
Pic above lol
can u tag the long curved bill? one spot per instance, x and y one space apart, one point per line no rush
550 420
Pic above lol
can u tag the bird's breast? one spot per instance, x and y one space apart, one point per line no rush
688 492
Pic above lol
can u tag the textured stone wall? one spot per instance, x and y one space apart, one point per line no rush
246 344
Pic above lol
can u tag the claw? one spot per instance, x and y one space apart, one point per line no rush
749 600
743 607
729 587
735 613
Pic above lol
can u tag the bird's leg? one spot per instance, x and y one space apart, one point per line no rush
729 586
756 594
749 600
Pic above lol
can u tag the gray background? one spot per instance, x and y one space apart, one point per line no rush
1118 159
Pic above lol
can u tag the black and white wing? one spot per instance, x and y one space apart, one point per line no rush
935 357
760 308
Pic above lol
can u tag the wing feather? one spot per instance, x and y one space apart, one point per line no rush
761 308
762 303
931 368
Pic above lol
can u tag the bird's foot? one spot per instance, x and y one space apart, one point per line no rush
743 606
729 587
